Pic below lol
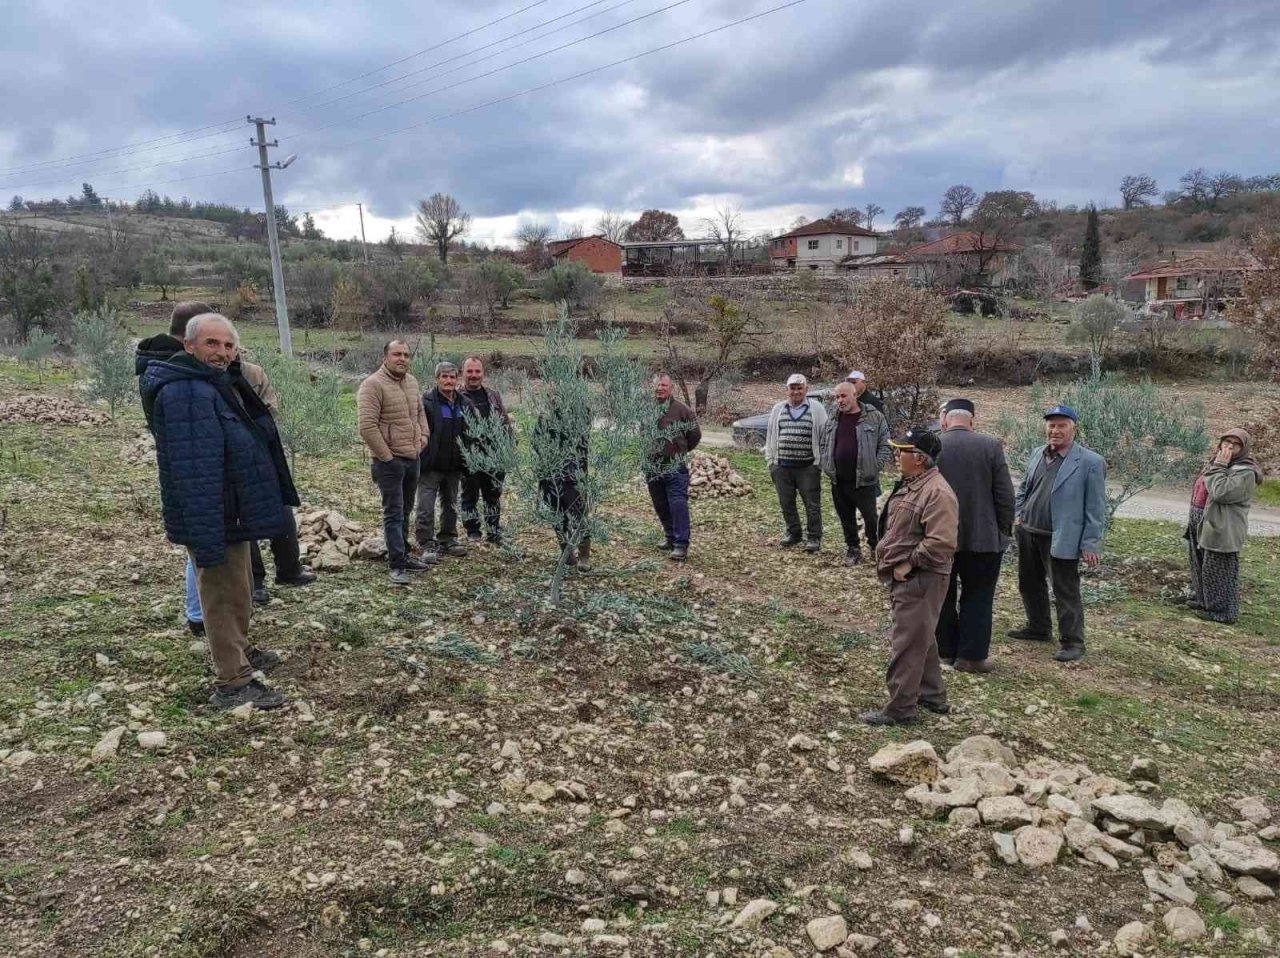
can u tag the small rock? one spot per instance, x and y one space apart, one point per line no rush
982 748
1005 810
1059 939
1252 888
610 941
1254 810
575 876
152 741
1169 886
109 745
827 932
19 759
1006 847
862 943
1080 834
1084 924
801 743
1245 859
1130 939
906 836
1144 770
1183 924
1037 847
908 764
964 818
549 939
859 858
540 791
754 912
593 925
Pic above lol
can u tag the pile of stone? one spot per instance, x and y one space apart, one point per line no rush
49 410
329 540
711 477
141 450
1043 809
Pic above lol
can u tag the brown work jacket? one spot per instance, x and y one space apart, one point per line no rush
919 525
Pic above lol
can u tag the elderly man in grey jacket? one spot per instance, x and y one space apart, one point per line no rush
854 444
975 468
792 451
1060 514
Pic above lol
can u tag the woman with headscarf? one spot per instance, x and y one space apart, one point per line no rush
1218 526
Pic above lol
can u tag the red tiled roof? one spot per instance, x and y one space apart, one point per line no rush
823 227
1198 263
966 241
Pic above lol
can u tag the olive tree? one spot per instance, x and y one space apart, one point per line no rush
107 356
313 418
1094 323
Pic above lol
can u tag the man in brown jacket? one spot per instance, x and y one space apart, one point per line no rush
918 529
667 474
393 425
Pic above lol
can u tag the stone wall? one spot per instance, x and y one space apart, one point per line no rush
788 286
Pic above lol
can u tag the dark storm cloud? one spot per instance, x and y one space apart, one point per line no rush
833 101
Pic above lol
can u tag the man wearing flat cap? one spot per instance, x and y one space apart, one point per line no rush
917 542
792 450
1060 515
975 469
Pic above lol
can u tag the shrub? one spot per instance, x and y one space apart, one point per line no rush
313 419
573 284
105 352
1094 322
35 352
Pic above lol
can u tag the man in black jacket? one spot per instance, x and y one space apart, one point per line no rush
442 466
975 468
478 487
166 345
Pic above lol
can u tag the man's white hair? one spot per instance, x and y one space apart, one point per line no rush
962 414
193 326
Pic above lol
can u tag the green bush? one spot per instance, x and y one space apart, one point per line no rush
313 419
573 284
1095 321
104 350
37 349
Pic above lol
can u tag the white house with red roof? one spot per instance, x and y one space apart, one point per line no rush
821 245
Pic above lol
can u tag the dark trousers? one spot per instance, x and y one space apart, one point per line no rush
670 495
284 549
434 485
964 626
915 672
805 481
397 480
850 500
478 487
565 500
1036 567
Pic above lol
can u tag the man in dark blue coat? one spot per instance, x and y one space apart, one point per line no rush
224 483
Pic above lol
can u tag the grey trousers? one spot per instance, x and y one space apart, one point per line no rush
433 485
807 482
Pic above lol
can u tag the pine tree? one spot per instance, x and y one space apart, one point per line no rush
1091 253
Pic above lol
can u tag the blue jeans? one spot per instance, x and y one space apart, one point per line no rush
670 495
194 613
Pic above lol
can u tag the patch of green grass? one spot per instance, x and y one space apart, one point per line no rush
1268 494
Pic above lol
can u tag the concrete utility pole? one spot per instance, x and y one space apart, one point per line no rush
363 244
273 235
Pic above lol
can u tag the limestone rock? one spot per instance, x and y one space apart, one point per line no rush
1254 810
827 932
108 745
964 818
909 764
1252 888
1202 861
1132 938
982 748
1241 858
1037 847
754 912
1005 810
1006 847
1144 770
1169 886
1080 834
1183 925
801 743
863 943
152 741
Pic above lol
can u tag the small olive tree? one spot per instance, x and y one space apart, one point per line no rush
1094 323
35 352
312 419
1144 438
107 357
596 431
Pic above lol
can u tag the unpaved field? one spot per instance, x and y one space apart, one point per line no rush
470 772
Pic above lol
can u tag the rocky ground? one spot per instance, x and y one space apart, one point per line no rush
668 764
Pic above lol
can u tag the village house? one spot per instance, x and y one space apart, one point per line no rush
600 255
1193 284
821 244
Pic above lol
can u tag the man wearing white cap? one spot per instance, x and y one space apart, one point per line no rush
791 448
859 380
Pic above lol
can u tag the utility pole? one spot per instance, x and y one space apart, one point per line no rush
273 235
363 244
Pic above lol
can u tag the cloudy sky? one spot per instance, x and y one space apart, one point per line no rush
822 103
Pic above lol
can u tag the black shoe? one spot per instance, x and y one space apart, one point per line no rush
679 553
666 546
1211 617
304 577
877 717
196 628
495 538
813 545
418 565
261 596
1069 653
456 549
474 537
262 660
1194 606
789 540
1027 635
935 708
255 693
853 557
399 577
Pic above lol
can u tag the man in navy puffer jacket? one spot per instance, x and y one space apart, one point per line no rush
222 488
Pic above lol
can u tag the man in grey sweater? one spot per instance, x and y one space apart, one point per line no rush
791 448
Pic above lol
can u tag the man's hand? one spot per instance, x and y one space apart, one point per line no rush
901 571
1091 559
1223 458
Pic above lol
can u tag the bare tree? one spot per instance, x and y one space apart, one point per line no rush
1138 189
1046 274
909 217
573 230
612 226
441 220
725 227
956 202
871 211
846 214
1223 184
997 218
1194 186
532 237
799 221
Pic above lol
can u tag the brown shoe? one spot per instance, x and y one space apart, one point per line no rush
979 666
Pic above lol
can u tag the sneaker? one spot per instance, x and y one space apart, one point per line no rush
260 595
1069 653
789 540
262 660
418 565
474 537
1027 635
398 577
430 555
254 693
935 707
813 545
679 553
666 546
853 557
975 666
304 577
195 626
877 717
456 549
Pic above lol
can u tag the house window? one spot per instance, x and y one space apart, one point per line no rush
839 244
813 244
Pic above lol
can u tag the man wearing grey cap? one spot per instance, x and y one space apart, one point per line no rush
975 468
1060 515
792 451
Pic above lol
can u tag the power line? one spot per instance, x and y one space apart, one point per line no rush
66 160
128 169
